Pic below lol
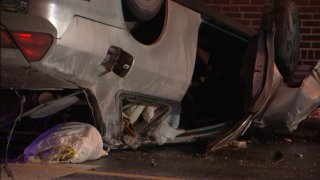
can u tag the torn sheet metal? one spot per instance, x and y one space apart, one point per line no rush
272 78
292 105
243 125
232 134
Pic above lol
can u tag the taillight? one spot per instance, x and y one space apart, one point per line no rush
33 45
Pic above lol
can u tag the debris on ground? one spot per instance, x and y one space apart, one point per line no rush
261 136
153 162
121 158
299 155
288 139
72 142
239 144
278 156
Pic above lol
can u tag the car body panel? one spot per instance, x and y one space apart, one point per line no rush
292 105
265 81
16 72
158 71
83 32
60 14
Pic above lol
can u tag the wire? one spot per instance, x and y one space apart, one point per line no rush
6 166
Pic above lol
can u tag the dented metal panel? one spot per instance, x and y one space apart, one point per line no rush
292 105
60 14
94 52
157 71
16 72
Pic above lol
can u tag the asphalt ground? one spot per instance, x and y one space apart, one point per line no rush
281 159
276 155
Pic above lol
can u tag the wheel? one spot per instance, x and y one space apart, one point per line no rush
287 37
141 10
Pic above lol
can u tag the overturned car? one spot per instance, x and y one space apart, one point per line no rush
149 71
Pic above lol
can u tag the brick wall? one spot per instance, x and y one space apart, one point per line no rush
248 12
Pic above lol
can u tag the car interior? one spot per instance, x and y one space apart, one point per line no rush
215 94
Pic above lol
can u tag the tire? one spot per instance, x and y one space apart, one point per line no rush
287 38
141 10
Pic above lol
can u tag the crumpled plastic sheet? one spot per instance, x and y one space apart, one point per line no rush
132 112
164 132
72 142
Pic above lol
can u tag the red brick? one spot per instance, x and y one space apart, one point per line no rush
215 7
261 8
221 1
309 62
305 45
230 8
255 22
311 37
311 23
316 30
310 54
207 1
301 2
249 8
316 45
317 55
240 1
303 54
248 13
314 2
305 30
258 2
308 9
255 27
252 15
316 16
233 15
243 21
305 16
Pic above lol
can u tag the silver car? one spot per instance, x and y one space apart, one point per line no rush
144 71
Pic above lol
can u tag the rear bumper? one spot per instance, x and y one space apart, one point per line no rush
30 78
17 73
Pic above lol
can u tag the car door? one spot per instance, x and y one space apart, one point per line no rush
260 79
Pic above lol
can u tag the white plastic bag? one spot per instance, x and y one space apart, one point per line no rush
164 132
148 113
72 142
132 112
